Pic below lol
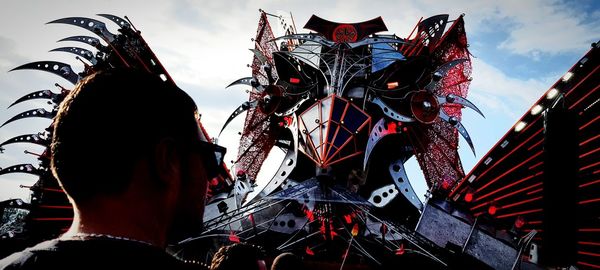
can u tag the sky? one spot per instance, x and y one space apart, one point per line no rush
519 49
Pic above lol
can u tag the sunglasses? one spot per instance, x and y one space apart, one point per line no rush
213 155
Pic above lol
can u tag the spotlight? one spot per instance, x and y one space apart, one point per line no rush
536 109
552 93
567 76
520 126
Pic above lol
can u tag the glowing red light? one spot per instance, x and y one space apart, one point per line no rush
469 197
391 127
348 218
233 238
294 80
309 251
445 185
519 222
214 181
492 210
400 250
309 214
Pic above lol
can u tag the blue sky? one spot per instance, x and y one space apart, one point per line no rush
520 48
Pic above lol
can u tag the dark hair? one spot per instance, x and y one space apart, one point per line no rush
287 261
237 256
108 122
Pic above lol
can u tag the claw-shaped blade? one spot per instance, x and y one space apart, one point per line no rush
242 108
308 37
32 113
260 56
27 138
92 41
57 68
461 129
441 71
21 168
87 54
251 81
401 181
95 26
377 133
46 94
118 20
454 99
387 110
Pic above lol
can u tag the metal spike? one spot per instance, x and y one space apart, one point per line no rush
45 94
28 138
87 54
118 20
32 113
260 56
387 110
441 71
57 68
21 168
461 129
92 41
95 26
251 81
242 108
454 99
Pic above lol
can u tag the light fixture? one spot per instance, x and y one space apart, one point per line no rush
519 126
536 109
552 93
567 76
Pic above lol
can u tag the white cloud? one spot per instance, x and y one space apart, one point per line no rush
498 91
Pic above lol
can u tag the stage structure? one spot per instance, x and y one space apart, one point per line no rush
348 104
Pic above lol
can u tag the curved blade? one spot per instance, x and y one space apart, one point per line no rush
21 168
382 196
286 167
374 40
461 129
118 20
46 94
251 81
87 54
377 133
387 110
454 99
57 68
242 108
95 26
260 56
400 178
92 41
31 113
294 108
308 37
29 138
441 71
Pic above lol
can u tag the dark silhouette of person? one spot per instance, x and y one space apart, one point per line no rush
287 261
239 256
128 151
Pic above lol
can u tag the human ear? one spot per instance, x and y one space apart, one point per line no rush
167 161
